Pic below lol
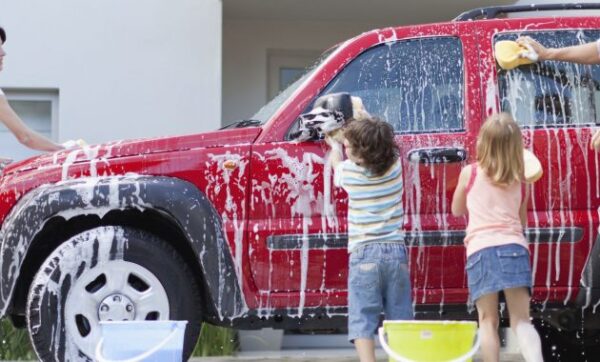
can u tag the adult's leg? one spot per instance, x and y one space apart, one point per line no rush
487 310
365 348
517 300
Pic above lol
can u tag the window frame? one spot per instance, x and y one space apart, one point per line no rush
278 59
50 95
462 78
499 71
38 94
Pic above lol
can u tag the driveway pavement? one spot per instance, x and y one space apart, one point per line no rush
311 355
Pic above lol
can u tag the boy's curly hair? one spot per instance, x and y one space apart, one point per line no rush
372 140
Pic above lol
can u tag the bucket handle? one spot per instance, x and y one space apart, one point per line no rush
139 357
400 358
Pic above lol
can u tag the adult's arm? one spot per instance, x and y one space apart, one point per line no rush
24 134
583 54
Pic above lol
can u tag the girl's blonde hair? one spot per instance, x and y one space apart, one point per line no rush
500 149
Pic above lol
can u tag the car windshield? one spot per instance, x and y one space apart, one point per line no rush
267 111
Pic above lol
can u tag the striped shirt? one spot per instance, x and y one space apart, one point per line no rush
375 212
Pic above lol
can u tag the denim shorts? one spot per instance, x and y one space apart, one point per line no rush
496 268
378 283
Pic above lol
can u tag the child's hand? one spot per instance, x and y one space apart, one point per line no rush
333 143
595 142
336 154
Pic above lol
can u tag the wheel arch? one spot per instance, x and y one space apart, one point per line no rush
159 205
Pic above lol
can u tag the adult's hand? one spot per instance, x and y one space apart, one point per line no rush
74 143
583 53
542 51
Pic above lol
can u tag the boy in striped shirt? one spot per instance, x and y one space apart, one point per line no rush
378 267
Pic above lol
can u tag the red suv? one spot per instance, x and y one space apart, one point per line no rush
242 227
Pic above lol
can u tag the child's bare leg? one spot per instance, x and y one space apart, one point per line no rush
366 349
487 309
517 300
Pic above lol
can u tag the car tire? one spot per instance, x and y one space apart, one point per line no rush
108 273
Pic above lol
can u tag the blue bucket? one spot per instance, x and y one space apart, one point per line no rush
134 341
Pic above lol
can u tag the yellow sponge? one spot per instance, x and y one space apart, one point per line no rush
510 54
533 167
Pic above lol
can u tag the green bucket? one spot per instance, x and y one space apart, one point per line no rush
430 341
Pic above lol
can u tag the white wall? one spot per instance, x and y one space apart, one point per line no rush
245 45
123 68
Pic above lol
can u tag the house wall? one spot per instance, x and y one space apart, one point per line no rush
246 44
122 68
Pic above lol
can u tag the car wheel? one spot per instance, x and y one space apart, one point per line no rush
107 273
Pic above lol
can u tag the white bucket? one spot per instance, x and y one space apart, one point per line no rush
134 341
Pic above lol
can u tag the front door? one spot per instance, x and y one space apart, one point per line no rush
419 85
422 80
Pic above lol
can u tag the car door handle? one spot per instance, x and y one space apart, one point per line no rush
437 155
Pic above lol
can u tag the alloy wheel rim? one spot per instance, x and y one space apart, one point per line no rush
116 290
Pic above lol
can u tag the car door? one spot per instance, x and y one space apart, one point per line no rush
419 80
418 85
557 104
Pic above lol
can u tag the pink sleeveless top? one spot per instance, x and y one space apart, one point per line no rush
493 213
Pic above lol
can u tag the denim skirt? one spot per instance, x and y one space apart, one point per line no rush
496 268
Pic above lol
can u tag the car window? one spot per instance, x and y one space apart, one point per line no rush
267 111
416 85
552 93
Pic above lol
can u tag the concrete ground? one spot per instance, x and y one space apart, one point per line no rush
271 346
330 355
258 346
312 355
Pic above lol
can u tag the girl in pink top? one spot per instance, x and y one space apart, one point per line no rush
494 196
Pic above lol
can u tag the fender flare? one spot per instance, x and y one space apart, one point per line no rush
188 206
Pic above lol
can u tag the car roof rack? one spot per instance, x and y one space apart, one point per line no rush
493 11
